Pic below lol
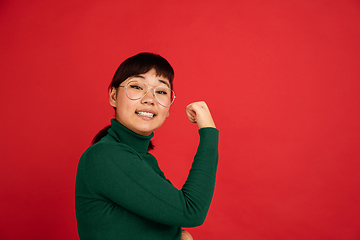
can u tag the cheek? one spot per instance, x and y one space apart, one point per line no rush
164 113
124 106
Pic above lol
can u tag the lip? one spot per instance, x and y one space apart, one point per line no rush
146 111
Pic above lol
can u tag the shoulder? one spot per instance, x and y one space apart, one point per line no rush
106 151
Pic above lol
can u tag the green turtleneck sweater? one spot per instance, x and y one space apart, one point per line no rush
121 193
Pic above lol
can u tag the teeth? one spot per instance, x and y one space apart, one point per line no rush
147 114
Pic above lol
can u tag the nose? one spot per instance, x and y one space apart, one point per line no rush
149 97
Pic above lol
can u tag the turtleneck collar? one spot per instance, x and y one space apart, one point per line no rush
124 135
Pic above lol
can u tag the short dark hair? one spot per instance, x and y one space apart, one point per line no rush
142 63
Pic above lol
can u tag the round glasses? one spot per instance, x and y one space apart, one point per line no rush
137 89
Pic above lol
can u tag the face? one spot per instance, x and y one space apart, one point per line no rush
144 115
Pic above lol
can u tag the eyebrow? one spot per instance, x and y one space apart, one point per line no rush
161 81
164 82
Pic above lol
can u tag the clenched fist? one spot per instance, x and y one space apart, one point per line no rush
198 112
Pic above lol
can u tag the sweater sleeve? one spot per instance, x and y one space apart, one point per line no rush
117 174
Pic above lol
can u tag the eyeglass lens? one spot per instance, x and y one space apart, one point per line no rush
136 90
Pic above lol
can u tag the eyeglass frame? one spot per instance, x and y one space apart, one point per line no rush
148 87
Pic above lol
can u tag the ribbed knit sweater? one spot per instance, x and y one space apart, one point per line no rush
121 193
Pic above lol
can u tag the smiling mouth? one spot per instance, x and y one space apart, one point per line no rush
146 114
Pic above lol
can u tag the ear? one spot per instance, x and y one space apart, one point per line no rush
112 97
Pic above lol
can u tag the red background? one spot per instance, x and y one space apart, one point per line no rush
280 77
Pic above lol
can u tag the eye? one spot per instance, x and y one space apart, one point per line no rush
161 92
135 86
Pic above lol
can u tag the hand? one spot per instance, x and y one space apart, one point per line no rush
185 235
198 112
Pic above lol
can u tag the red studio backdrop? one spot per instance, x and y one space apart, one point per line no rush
282 80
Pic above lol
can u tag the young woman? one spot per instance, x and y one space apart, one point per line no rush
120 191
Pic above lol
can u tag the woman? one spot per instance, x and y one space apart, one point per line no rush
120 192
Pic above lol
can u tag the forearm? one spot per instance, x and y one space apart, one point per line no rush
201 180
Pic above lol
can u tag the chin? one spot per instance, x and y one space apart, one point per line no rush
146 128
145 131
